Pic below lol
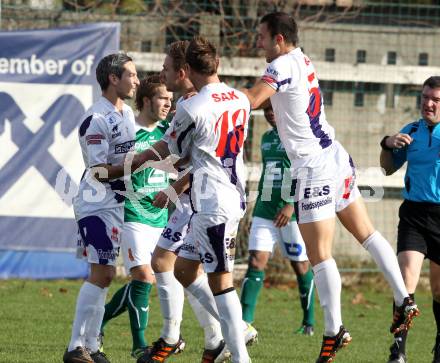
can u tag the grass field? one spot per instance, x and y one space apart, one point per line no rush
36 317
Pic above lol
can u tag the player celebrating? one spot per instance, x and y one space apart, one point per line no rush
274 221
324 177
143 222
211 127
106 134
170 291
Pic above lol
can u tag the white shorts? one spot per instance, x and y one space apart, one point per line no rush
99 236
177 228
211 240
264 235
324 184
138 243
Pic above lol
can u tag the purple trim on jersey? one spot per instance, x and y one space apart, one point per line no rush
183 135
353 167
216 235
229 162
85 125
316 127
191 180
118 185
94 232
283 82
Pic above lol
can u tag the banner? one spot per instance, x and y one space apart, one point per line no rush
47 81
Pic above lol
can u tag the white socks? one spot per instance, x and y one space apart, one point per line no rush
328 285
229 308
93 326
385 258
201 291
88 315
210 325
171 299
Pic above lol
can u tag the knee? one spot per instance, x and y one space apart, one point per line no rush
107 277
300 268
316 257
257 261
156 264
180 276
142 273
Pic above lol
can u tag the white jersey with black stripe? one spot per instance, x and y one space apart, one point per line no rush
298 105
211 128
105 137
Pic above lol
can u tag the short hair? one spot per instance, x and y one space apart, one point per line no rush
111 64
281 23
147 88
176 51
201 55
432 82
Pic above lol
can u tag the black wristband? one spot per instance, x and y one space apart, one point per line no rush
383 144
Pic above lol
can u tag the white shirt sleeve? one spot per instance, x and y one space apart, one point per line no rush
278 74
181 133
96 141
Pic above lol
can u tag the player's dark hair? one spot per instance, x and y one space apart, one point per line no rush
432 82
201 56
111 64
281 23
147 88
176 51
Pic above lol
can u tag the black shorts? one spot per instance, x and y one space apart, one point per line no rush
419 229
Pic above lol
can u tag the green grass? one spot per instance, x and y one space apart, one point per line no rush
36 317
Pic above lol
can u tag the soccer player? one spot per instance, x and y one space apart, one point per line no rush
170 291
274 221
106 134
324 177
143 221
418 235
211 127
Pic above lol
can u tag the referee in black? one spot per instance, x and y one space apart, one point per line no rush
418 237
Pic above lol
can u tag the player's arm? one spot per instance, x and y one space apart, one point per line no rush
284 215
388 160
133 163
259 95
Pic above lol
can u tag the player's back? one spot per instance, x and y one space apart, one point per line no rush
298 106
217 118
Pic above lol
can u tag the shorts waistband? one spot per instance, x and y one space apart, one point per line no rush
421 205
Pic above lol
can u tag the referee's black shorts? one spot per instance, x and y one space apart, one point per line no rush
419 229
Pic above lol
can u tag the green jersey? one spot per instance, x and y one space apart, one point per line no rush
273 194
147 183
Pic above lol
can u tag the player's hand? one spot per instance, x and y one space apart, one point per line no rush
161 200
283 216
398 141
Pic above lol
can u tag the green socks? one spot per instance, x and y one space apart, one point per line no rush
138 309
116 306
306 295
252 284
133 297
